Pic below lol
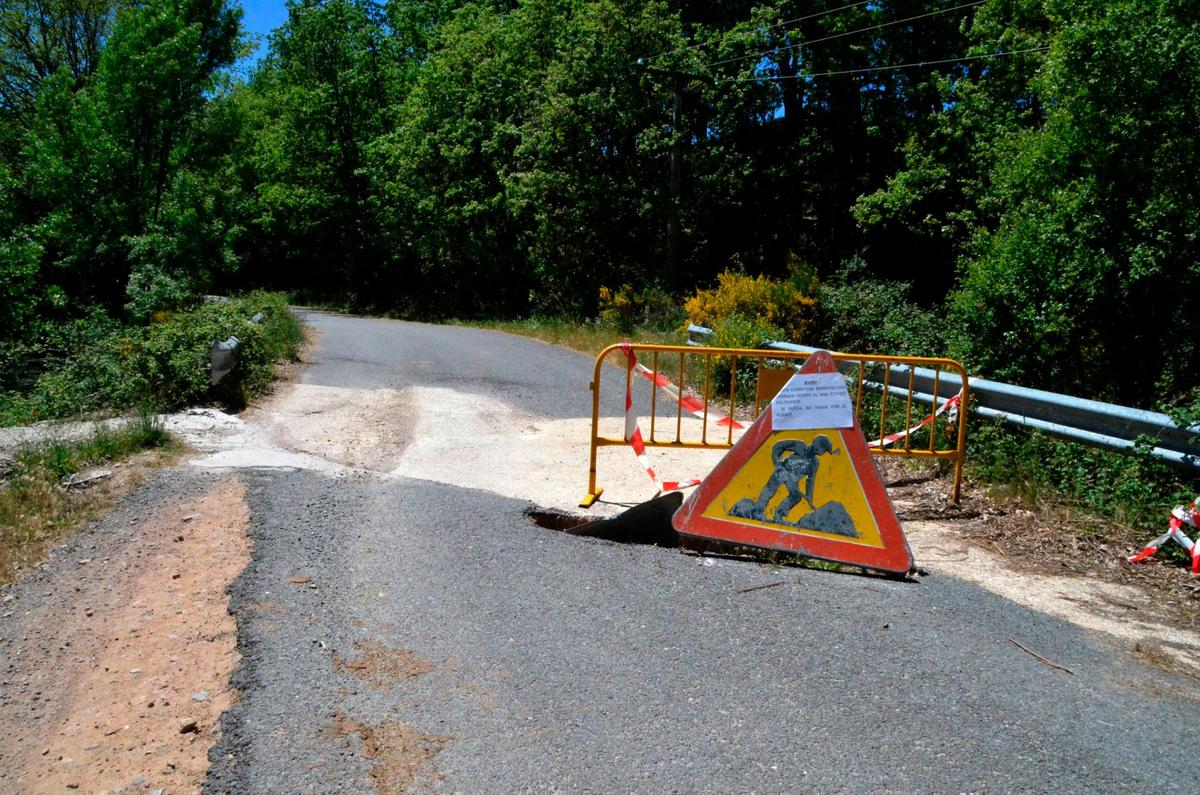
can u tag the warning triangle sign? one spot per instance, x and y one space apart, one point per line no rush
802 480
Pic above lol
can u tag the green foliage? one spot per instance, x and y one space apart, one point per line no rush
739 331
650 308
787 305
109 157
311 110
96 363
106 443
1133 488
857 313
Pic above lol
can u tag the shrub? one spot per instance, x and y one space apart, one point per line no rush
1133 488
737 331
627 308
788 305
97 363
865 315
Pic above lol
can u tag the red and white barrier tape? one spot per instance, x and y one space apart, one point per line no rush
1181 515
633 433
951 404
690 404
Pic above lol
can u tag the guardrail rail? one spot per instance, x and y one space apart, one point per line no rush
1090 422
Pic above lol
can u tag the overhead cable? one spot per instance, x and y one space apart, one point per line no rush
833 36
891 67
782 24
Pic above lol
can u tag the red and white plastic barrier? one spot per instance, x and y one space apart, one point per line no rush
690 404
633 432
951 405
1181 515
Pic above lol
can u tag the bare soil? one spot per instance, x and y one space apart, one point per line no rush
122 677
379 666
402 756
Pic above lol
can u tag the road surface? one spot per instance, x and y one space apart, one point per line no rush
402 625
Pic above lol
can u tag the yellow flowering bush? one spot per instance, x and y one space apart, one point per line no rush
788 304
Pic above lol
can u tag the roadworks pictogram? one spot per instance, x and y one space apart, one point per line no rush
812 491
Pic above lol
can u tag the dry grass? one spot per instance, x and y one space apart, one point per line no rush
37 509
585 337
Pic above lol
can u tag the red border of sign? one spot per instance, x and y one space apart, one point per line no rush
894 556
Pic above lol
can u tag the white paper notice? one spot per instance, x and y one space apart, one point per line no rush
816 400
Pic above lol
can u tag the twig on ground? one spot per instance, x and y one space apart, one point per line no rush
1039 657
760 587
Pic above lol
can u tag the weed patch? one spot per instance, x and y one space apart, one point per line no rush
1134 488
37 509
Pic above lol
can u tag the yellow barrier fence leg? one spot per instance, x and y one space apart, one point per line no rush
594 493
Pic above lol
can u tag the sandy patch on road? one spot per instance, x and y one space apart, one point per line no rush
402 757
124 681
1122 611
481 443
303 426
357 428
379 666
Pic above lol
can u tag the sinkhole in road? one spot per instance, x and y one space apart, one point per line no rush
555 520
647 523
650 523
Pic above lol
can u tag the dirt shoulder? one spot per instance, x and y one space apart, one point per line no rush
118 649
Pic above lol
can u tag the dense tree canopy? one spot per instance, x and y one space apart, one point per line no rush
1028 166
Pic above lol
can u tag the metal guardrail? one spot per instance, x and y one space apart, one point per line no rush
1090 422
222 355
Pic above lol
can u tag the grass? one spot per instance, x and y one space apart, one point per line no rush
586 337
37 509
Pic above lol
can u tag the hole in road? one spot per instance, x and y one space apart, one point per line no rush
555 520
650 523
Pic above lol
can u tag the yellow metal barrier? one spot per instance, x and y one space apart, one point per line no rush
868 374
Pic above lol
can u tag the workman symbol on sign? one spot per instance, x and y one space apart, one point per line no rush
795 461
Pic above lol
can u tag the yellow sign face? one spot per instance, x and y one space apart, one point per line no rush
800 482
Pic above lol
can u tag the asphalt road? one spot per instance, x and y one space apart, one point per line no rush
446 643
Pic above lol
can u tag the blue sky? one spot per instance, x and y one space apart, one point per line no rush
260 17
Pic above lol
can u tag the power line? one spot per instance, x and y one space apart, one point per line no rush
846 33
769 27
866 69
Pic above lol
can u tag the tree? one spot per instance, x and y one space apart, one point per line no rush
104 165
1084 282
40 37
315 105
